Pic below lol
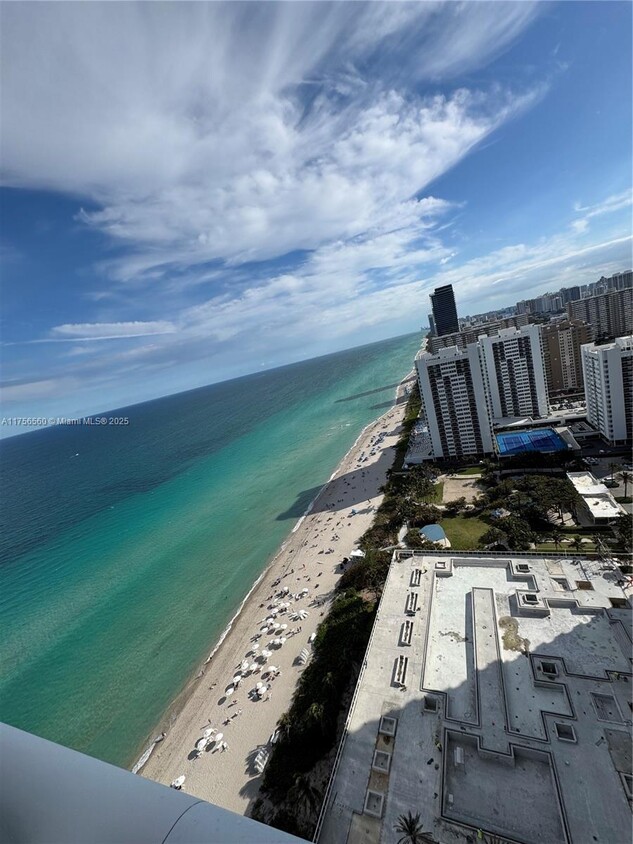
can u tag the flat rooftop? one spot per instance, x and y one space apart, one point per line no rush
495 696
595 495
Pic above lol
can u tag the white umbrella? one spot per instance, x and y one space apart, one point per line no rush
218 737
259 686
284 626
236 680
178 782
208 733
264 629
282 641
244 665
273 669
200 745
253 666
255 646
266 653
229 690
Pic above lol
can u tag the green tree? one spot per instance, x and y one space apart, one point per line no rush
623 527
492 537
519 534
411 828
625 477
557 536
613 468
305 795
577 543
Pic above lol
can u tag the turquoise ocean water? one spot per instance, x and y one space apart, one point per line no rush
126 550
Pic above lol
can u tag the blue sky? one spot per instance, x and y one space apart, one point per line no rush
195 191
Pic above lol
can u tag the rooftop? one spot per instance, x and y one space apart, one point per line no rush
595 495
496 695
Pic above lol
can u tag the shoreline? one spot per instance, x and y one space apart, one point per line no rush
169 756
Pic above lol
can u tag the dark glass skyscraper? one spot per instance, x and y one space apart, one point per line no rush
444 310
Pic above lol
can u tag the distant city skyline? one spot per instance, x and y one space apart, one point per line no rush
192 192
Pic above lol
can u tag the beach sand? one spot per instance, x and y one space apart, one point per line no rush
229 778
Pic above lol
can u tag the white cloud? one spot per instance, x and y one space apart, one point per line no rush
86 331
189 127
616 202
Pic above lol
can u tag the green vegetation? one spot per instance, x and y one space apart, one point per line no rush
624 499
471 470
464 532
411 830
309 728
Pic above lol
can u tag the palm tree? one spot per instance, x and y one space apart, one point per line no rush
577 541
626 478
556 538
613 467
410 826
304 794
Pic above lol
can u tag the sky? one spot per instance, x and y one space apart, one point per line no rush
192 192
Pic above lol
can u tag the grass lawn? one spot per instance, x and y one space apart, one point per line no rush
464 533
472 470
436 495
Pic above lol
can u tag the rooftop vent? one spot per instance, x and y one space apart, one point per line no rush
374 802
381 761
565 732
388 725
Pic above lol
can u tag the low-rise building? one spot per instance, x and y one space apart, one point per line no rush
494 700
597 502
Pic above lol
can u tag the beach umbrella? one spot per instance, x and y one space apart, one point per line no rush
255 646
219 737
266 653
264 629
178 782
236 680
208 733
284 626
229 690
273 669
200 745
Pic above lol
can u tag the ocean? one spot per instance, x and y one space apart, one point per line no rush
126 550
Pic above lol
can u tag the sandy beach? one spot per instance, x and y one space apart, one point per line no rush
308 560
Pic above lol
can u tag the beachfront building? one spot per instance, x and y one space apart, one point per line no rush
561 354
454 402
494 702
515 373
473 332
608 377
444 310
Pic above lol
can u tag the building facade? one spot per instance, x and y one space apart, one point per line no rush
454 402
608 315
444 310
608 376
561 354
473 332
515 373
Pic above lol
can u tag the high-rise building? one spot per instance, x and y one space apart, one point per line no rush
454 402
561 353
514 372
444 310
608 315
475 331
608 375
432 325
